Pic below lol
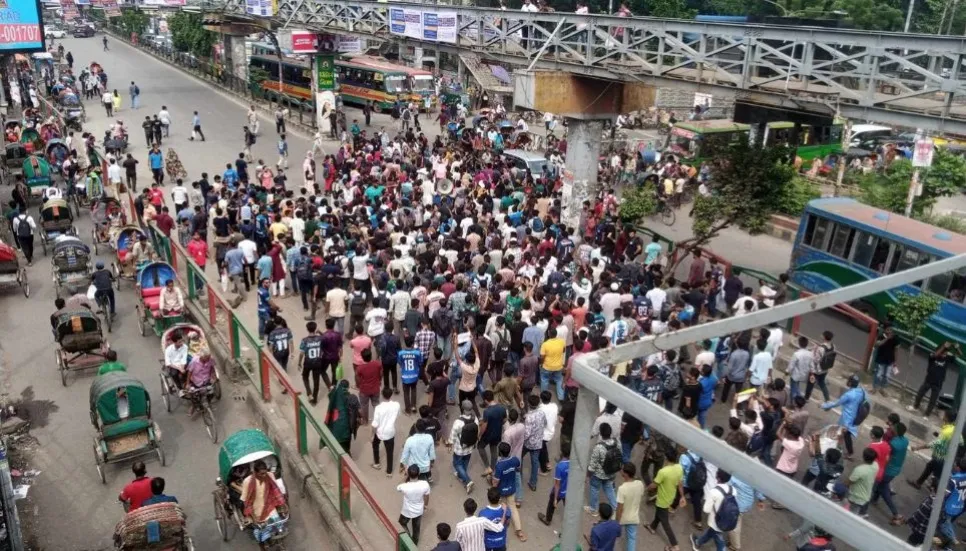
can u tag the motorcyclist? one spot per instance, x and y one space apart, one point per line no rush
118 130
103 281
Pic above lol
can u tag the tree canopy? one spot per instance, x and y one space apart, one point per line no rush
888 189
132 21
188 34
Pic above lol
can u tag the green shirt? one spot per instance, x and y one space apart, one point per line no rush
310 227
667 481
108 367
862 479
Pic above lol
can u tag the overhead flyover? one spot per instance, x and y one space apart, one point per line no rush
910 80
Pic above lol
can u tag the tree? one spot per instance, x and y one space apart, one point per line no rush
888 189
189 35
872 14
747 183
911 313
638 203
676 9
132 21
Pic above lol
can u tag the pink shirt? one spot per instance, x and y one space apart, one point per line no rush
791 451
358 344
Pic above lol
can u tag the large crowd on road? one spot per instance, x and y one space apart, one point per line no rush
469 286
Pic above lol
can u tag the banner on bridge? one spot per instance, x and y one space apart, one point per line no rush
69 10
111 8
423 24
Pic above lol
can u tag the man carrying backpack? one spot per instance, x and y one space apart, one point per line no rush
855 408
824 359
695 477
462 440
605 462
24 228
357 307
443 323
721 506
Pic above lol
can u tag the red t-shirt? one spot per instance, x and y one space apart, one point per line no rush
137 491
165 223
156 196
369 377
882 452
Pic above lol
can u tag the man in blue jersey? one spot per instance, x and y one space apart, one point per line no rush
505 473
497 513
410 360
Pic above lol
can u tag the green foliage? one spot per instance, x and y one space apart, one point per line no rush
793 198
188 34
638 202
132 21
945 221
749 186
888 189
872 14
677 9
911 312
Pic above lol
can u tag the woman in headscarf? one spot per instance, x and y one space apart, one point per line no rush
262 497
173 166
342 415
308 172
278 269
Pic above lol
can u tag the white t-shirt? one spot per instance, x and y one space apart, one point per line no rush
360 268
249 248
336 300
704 358
657 296
550 412
297 225
384 420
376 321
114 173
414 495
179 194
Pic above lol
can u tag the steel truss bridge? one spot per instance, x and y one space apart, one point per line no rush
909 80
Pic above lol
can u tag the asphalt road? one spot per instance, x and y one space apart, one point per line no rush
68 488
68 508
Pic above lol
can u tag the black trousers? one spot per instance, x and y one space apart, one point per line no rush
315 371
696 497
662 517
934 391
414 532
389 370
326 364
27 246
409 396
250 278
726 389
389 445
933 468
552 506
305 290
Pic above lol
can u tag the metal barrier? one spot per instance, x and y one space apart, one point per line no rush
261 368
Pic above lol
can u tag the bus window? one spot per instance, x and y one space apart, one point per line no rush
396 84
822 227
809 230
880 256
906 258
865 247
841 241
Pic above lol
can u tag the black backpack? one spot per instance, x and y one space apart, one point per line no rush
827 360
381 300
698 474
24 231
304 269
613 459
502 349
864 409
469 433
443 322
357 304
726 517
756 442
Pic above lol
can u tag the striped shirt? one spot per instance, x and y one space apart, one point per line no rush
941 445
470 532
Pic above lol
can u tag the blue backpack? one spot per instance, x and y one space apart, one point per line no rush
726 517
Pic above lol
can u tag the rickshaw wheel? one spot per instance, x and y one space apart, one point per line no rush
160 452
220 519
137 310
43 243
164 393
24 283
59 358
208 417
188 544
100 468
117 278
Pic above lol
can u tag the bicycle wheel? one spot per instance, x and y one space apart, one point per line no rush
209 418
667 216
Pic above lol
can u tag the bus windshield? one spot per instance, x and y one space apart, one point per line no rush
683 142
396 84
423 83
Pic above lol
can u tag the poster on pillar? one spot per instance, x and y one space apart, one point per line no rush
325 67
406 22
325 106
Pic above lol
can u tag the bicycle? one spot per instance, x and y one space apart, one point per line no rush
104 309
666 213
200 399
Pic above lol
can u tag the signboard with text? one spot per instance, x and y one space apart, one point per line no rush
111 8
922 154
304 42
21 27
325 68
424 24
261 8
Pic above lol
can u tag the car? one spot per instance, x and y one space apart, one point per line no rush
54 32
83 31
527 160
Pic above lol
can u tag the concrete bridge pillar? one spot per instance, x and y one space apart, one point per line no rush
583 151
236 59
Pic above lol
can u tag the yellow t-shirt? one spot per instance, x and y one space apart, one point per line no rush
667 481
277 229
552 351
630 494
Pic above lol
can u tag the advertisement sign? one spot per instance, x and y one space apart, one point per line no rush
922 155
261 8
69 9
325 65
325 105
304 42
169 3
446 31
349 45
406 22
111 8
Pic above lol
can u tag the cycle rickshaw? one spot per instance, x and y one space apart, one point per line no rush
71 264
122 242
80 342
151 279
56 219
157 527
199 398
121 415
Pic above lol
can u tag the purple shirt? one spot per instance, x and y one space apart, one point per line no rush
200 373
331 345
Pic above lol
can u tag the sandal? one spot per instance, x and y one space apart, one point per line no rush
897 520
650 530
521 536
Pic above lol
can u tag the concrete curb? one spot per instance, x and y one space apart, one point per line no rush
270 421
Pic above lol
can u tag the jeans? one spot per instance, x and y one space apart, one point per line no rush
454 379
262 320
535 468
557 376
626 448
883 489
934 391
489 459
630 536
794 388
703 417
519 494
460 464
820 382
609 493
711 534
514 360
446 345
881 376
135 102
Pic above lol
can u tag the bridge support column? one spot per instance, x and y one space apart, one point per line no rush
583 151
235 57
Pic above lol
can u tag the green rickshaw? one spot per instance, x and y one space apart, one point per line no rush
36 172
32 136
237 459
121 414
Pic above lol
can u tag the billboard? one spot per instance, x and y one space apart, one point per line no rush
325 65
424 24
261 8
21 27
304 42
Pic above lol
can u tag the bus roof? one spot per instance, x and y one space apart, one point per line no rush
712 126
907 229
372 62
780 125
285 59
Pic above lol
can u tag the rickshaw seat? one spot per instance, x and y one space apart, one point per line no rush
81 342
122 254
153 304
125 427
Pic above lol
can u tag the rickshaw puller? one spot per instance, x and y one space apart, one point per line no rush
103 281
